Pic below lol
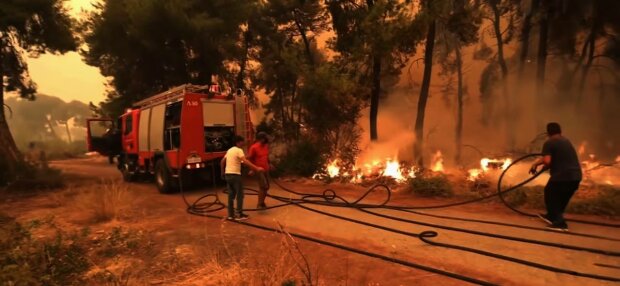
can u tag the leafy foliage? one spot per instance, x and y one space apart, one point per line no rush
303 158
149 46
33 27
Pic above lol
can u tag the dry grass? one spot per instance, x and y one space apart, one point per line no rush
104 201
223 260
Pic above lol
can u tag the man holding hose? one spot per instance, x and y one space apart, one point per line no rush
231 168
560 157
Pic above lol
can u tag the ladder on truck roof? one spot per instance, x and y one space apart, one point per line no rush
171 93
244 127
249 128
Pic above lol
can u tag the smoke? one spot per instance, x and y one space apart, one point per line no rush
581 120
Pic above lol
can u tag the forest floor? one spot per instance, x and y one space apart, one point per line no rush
133 235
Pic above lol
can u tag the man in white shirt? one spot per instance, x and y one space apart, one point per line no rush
231 167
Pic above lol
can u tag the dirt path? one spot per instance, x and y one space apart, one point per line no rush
166 214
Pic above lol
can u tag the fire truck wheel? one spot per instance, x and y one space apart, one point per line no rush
163 179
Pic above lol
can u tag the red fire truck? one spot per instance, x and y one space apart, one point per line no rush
188 127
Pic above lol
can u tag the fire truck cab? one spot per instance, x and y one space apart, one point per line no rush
187 128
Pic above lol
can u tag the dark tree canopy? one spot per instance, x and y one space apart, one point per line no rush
27 28
147 46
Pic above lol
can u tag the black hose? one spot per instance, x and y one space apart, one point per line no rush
571 233
329 197
425 235
204 210
363 209
333 196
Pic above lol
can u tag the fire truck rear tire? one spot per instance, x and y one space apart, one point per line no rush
163 178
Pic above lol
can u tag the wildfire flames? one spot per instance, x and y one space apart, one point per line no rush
437 162
487 164
391 168
388 167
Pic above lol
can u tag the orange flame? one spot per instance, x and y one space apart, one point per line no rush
392 169
582 148
437 162
389 168
332 169
485 165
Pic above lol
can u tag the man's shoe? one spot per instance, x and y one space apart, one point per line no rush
261 206
558 227
544 218
230 218
243 217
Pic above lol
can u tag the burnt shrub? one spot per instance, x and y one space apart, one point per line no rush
436 185
607 202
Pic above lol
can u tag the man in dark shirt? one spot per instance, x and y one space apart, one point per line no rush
560 157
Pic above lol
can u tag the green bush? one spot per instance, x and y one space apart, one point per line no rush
28 261
302 159
431 186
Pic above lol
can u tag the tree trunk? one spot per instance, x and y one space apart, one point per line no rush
426 83
374 96
587 52
586 68
10 156
459 97
375 89
525 38
304 37
508 110
500 42
541 63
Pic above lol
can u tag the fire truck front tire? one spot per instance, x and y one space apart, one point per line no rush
163 178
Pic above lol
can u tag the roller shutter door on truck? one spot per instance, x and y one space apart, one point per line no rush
218 114
143 135
156 134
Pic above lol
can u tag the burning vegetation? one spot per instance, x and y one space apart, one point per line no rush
400 172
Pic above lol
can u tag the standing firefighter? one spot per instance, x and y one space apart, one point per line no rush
259 155
560 157
231 167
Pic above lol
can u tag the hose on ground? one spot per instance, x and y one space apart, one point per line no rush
205 209
210 203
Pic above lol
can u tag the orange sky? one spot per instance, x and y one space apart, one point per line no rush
66 76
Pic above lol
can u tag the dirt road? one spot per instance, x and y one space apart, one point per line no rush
167 214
